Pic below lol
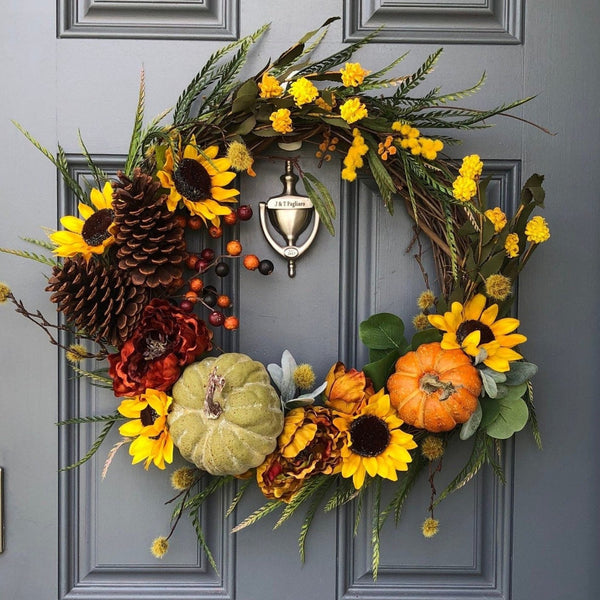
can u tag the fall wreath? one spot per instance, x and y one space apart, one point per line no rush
135 299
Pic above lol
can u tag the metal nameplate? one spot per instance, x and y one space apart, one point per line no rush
289 203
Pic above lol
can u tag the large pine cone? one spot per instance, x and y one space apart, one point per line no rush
101 301
150 243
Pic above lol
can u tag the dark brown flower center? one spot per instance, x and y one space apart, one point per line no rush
467 327
148 415
192 180
95 229
370 435
156 346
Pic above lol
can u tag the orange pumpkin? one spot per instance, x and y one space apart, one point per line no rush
434 389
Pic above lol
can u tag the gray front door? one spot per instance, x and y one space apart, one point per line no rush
78 536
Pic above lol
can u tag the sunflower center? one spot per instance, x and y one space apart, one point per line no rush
370 435
192 180
467 327
148 415
95 228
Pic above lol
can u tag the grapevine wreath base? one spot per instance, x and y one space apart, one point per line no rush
139 307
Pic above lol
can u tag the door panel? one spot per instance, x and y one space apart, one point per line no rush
77 535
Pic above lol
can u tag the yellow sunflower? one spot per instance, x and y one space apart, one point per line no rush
374 443
197 178
474 329
90 235
148 425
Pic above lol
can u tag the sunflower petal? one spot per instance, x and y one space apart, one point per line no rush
474 307
504 326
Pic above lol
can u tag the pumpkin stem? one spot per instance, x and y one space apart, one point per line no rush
430 384
215 383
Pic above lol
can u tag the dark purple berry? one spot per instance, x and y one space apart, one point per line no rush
244 212
202 265
222 269
186 306
216 318
265 267
210 299
208 254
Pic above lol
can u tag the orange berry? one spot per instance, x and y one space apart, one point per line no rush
224 301
231 323
234 248
196 284
231 218
194 222
191 296
180 220
251 262
191 260
215 232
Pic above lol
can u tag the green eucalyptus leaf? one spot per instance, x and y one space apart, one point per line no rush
246 126
511 418
520 372
511 391
490 408
380 370
382 331
426 336
245 98
493 264
470 427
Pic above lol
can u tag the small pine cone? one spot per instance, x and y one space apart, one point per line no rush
101 301
150 243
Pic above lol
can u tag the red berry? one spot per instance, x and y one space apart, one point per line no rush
216 318
244 212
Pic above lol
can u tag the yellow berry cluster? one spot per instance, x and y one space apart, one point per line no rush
417 144
353 160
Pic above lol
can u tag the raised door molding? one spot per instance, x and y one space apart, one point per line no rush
436 21
148 19
471 558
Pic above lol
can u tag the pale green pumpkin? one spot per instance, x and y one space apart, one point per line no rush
229 426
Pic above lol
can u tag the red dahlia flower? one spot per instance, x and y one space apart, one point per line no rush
165 340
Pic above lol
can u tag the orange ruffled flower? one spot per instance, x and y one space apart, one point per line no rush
308 445
346 390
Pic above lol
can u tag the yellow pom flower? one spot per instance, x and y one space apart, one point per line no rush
537 230
426 300
353 160
464 189
432 447
420 322
498 287
282 123
303 91
304 377
4 292
471 167
497 217
269 87
159 547
76 353
353 74
430 527
183 478
511 245
353 110
322 104
240 158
